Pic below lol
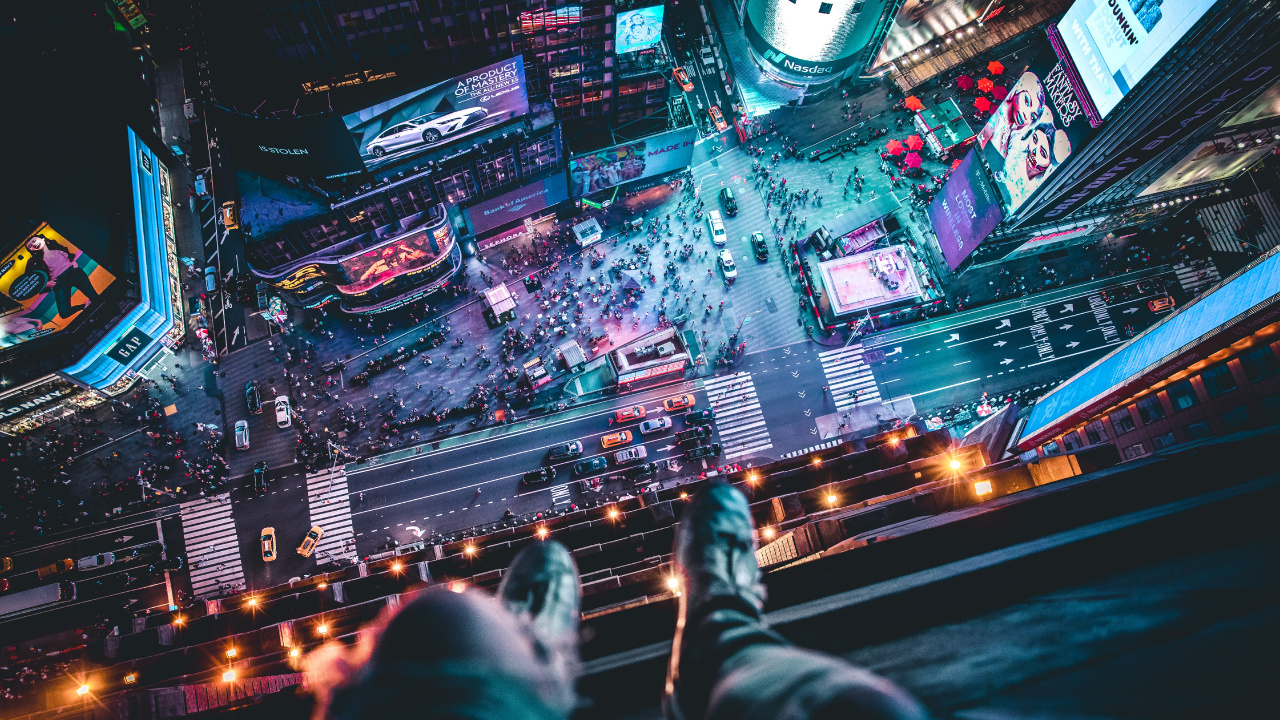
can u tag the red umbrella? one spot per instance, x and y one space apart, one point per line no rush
894 147
965 82
956 163
985 84
995 67
912 160
913 103
914 142
982 104
999 92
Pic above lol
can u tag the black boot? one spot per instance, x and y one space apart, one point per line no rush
542 588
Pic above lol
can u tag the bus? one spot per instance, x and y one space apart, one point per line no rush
27 600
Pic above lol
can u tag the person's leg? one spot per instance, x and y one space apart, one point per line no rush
726 663
65 286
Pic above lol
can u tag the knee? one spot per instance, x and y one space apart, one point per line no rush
449 626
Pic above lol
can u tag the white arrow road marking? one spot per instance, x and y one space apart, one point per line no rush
1068 307
813 431
808 413
1130 311
953 338
414 529
666 447
1066 326
795 374
1006 361
1000 343
894 351
124 538
1073 344
786 351
800 393
1005 323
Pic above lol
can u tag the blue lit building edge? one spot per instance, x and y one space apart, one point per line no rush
154 313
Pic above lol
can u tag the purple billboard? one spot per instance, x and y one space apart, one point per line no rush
517 204
966 211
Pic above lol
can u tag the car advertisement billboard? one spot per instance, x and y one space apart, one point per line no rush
919 21
965 212
44 284
308 146
1211 161
402 256
425 119
1034 130
632 161
1114 43
639 29
517 204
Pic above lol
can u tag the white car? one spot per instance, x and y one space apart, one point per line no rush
242 435
727 266
424 129
716 224
283 412
100 560
655 425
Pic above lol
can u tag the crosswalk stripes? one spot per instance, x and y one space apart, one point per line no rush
739 421
329 506
213 549
559 494
1197 275
815 448
1221 221
846 375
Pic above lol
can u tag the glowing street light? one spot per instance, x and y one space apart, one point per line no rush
229 676
82 690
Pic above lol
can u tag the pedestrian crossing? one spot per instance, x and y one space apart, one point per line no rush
739 422
560 494
815 448
329 506
1256 211
213 549
1197 275
849 380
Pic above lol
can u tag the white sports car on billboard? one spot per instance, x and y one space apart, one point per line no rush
428 129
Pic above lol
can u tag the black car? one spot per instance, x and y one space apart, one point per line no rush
142 551
260 477
176 562
538 477
730 204
103 586
641 472
251 397
703 451
567 451
700 417
691 443
693 433
760 246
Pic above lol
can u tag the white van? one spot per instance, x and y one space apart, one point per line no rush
100 560
716 224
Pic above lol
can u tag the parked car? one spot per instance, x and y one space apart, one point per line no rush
622 437
700 417
260 477
760 246
716 223
94 562
656 425
284 412
682 79
590 465
679 402
703 451
210 278
268 544
726 199
1161 304
252 399
727 265
540 476
242 435
424 129
693 433
630 455
635 412
718 118
309 542
56 568
567 451
641 472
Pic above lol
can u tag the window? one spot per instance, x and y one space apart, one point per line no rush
455 185
1051 448
1095 432
825 8
1164 441
496 170
1150 409
1122 421
1071 441
1259 363
1182 396
1236 419
1198 431
1133 452
1218 380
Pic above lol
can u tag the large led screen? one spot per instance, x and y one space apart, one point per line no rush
1114 43
919 21
425 119
309 146
1033 131
621 164
965 212
639 29
1212 161
517 204
402 256
44 284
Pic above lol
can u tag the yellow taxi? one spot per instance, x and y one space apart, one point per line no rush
678 402
308 545
268 544
622 437
1161 304
717 118
635 412
57 568
682 79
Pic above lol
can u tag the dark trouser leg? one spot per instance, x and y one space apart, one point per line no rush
65 286
736 667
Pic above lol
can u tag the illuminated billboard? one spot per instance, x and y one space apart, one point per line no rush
809 41
439 114
517 204
626 163
919 21
1263 107
639 29
44 284
420 250
1034 130
1212 161
965 212
1114 43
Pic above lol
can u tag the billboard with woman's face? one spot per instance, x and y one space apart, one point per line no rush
44 284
